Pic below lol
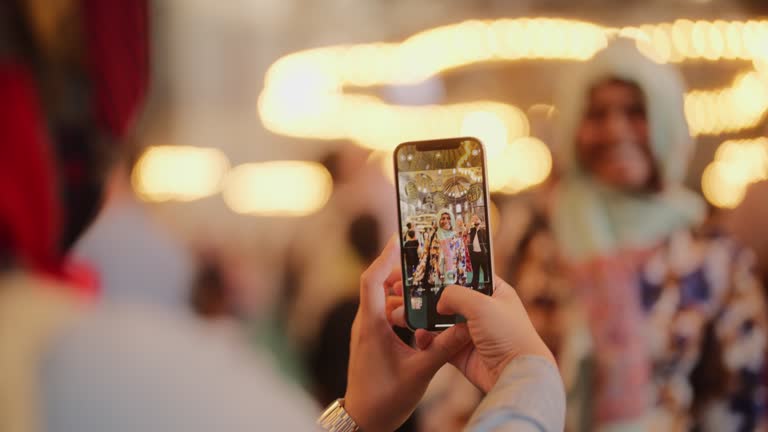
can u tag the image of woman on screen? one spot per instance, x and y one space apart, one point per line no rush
443 261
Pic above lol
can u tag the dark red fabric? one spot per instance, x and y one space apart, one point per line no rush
29 207
116 39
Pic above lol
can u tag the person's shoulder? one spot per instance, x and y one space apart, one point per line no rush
125 361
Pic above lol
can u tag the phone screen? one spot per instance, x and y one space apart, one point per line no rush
444 225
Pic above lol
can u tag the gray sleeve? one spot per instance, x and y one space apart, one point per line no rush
529 396
129 369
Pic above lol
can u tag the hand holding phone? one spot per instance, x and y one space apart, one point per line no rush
443 212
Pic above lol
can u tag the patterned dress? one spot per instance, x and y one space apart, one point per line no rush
447 263
673 338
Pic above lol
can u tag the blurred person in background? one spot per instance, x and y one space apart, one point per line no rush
211 296
740 222
136 257
658 323
330 354
69 366
322 264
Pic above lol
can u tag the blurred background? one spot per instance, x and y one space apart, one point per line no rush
238 85
261 164
252 95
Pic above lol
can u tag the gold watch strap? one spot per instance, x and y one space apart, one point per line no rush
336 419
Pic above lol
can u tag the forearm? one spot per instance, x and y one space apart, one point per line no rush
529 396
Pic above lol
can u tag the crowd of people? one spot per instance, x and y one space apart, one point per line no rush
630 310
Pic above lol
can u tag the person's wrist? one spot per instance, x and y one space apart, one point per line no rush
336 418
354 411
537 350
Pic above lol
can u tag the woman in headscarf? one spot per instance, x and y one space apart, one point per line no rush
443 262
659 324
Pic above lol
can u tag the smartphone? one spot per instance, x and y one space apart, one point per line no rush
442 200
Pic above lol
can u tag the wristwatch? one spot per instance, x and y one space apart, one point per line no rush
336 419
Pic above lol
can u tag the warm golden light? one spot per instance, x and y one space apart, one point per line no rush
522 164
279 188
304 93
737 164
720 187
179 173
488 128
308 94
731 109
528 163
761 65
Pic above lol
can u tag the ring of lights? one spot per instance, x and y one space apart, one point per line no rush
306 94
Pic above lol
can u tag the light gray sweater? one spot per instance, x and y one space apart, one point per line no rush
128 369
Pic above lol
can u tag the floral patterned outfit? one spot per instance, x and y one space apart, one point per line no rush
697 344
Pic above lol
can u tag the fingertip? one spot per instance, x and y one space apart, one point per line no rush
397 317
373 278
398 288
392 244
444 305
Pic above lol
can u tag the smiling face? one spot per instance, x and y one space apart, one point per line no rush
612 141
445 221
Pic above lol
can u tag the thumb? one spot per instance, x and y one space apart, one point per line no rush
464 301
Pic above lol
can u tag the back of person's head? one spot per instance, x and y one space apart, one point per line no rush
411 234
344 162
363 236
87 93
29 205
210 293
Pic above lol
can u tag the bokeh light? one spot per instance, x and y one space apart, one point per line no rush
528 162
179 173
306 94
731 109
488 128
737 164
278 188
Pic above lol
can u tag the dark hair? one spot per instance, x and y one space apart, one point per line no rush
210 296
411 233
409 225
363 235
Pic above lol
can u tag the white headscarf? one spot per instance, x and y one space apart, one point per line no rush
592 219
